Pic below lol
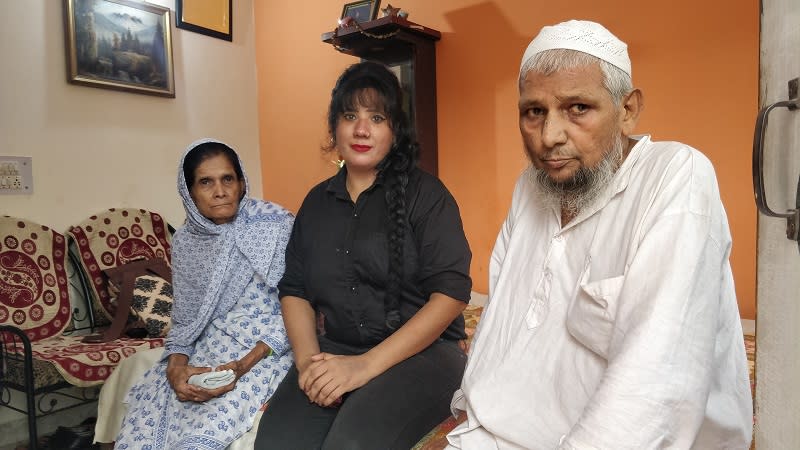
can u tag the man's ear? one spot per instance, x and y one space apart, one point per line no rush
632 105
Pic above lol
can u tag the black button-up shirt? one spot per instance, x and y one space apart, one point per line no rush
338 256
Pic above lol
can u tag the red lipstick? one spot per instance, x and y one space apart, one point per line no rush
360 148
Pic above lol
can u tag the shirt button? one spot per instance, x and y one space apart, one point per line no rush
355 214
347 252
361 324
353 288
558 238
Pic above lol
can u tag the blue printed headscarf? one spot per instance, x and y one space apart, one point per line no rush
212 264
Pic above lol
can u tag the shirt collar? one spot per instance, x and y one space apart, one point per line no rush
618 184
338 184
623 175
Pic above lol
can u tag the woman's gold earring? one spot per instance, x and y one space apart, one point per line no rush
339 161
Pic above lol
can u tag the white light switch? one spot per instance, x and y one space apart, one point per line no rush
16 175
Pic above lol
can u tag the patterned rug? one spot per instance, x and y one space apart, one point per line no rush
750 347
437 440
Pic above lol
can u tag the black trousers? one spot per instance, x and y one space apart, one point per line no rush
393 411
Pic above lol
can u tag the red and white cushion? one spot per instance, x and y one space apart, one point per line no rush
34 294
113 238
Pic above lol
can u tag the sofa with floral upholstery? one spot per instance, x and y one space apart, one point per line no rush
53 292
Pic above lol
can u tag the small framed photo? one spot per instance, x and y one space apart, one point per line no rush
362 11
210 17
119 44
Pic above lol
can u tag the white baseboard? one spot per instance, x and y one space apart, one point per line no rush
749 326
477 299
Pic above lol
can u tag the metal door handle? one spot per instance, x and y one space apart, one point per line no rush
792 216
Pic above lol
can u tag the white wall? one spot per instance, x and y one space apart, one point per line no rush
778 334
95 148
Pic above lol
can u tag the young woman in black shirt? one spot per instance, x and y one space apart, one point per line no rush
377 276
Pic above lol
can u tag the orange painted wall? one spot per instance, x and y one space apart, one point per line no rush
696 62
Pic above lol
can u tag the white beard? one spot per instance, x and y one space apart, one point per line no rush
574 195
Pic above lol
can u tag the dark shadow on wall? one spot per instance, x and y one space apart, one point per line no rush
477 61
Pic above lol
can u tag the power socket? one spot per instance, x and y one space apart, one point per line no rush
16 175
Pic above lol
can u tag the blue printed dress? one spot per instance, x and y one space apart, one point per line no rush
157 420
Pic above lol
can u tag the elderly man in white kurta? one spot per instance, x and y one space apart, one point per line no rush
612 320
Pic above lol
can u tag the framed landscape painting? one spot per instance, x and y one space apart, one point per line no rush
119 44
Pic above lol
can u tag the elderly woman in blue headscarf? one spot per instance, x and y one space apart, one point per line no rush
227 260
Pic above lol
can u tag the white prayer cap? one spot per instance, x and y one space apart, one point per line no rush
583 36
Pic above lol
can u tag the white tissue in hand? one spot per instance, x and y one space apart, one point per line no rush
213 380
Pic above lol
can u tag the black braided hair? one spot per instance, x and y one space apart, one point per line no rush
358 85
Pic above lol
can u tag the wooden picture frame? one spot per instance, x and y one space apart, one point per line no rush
119 44
361 11
210 17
